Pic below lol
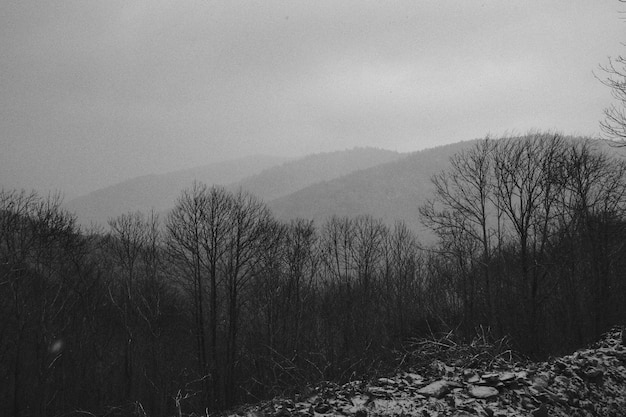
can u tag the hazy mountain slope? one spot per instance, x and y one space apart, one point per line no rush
392 191
294 175
161 191
267 177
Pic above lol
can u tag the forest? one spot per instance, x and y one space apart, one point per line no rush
218 303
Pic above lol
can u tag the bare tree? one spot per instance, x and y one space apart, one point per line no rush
127 239
462 212
252 232
189 246
402 285
39 243
595 201
530 174
218 239
614 124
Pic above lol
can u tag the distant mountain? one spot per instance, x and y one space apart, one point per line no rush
266 177
161 191
391 191
292 176
385 184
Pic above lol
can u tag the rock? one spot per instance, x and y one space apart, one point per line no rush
283 412
528 403
491 377
361 412
542 411
482 392
386 381
413 378
507 377
380 392
437 389
474 379
587 382
593 374
322 408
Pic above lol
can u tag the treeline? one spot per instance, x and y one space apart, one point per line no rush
220 303
532 233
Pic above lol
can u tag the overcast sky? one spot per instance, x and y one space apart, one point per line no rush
95 92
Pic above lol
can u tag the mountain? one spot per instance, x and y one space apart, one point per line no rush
267 177
161 191
391 191
294 175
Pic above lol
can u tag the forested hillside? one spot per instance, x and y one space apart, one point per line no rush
390 191
159 192
218 303
265 176
292 176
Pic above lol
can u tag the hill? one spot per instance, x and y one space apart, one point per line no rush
391 191
295 175
160 191
265 176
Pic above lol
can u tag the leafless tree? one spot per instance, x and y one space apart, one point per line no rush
529 175
614 124
39 244
463 214
196 230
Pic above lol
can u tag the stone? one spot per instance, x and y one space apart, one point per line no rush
542 411
482 392
507 377
437 389
386 381
322 408
361 412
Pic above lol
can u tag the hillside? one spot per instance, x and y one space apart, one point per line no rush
265 176
441 377
160 191
392 191
294 175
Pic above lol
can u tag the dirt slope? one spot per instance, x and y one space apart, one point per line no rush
441 378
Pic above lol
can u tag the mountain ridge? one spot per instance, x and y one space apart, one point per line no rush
267 177
391 191
159 191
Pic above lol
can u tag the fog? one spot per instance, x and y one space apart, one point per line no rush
93 92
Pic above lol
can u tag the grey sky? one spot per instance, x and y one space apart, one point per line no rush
94 92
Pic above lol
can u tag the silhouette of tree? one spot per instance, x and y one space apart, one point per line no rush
614 124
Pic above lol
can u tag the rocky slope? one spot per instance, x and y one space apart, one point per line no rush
442 378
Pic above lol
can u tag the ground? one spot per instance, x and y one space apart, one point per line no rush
442 378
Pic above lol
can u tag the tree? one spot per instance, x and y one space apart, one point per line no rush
39 250
530 175
251 233
595 202
465 218
402 285
141 297
614 124
217 239
127 240
196 233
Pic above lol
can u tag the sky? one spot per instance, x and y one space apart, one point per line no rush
96 92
